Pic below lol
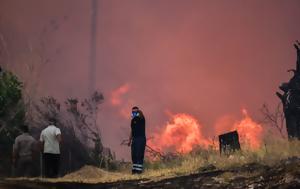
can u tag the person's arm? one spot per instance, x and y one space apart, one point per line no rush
298 55
41 146
58 135
130 139
15 152
130 136
41 143
279 95
34 148
14 157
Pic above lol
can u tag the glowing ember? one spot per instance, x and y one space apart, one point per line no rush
181 134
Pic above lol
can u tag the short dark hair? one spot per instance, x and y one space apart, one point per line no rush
25 128
135 107
52 121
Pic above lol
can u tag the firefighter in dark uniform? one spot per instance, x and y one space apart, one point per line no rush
137 140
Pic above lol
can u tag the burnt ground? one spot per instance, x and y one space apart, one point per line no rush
285 174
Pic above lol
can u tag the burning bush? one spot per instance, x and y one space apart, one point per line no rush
183 133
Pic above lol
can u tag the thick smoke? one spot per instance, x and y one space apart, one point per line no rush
208 59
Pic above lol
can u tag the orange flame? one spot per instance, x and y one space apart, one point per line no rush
116 95
181 135
249 131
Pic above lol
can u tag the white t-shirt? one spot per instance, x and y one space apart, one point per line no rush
49 137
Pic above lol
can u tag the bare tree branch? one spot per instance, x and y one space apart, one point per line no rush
275 119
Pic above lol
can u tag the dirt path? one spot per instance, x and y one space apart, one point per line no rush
190 181
284 175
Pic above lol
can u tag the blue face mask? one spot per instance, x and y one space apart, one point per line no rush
134 114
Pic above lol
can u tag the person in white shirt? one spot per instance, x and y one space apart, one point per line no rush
50 142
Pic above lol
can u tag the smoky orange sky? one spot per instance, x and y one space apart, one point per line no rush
206 58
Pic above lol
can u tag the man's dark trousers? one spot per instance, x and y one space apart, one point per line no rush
51 165
137 154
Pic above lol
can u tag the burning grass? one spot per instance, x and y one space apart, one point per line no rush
268 154
201 160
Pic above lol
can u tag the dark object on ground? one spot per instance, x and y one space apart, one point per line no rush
229 142
291 100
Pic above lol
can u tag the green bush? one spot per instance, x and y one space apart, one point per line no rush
12 114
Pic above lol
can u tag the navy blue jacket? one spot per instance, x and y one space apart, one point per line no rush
138 127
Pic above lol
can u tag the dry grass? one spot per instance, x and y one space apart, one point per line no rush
270 153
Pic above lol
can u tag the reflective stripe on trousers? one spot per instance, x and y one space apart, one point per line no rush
138 167
137 153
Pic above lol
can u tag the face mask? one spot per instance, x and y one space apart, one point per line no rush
134 114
